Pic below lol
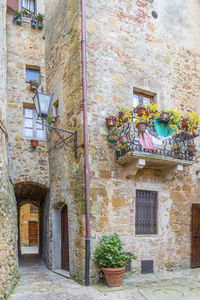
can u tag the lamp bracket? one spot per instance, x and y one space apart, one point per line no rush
68 140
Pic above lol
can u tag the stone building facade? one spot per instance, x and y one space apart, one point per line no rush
141 46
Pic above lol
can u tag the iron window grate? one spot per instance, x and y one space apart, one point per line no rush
146 212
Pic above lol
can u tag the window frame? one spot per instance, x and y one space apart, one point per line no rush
56 109
34 128
154 220
35 7
141 95
33 69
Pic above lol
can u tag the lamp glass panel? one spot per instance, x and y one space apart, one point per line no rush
45 102
35 99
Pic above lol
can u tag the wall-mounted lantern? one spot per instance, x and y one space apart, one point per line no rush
42 103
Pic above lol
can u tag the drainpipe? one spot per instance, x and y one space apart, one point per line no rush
86 154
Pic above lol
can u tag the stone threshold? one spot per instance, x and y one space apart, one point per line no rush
62 272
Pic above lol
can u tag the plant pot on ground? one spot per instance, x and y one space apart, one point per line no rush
33 24
39 18
112 259
17 18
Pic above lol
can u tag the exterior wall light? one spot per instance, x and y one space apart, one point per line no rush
42 103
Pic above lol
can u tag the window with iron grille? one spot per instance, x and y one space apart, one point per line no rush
146 212
140 98
31 128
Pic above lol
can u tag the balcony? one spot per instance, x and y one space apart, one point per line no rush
146 147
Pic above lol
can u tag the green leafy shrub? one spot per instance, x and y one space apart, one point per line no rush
109 253
39 17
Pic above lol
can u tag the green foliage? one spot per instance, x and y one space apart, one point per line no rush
109 253
49 119
39 17
17 14
35 83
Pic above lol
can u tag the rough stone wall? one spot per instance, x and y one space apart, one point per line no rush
127 49
63 71
8 211
25 47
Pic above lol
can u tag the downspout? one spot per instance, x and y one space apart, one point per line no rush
86 153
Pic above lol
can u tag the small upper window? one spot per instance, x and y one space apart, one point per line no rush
32 74
33 209
29 5
140 98
56 109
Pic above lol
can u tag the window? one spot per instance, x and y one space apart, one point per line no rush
140 98
33 209
146 212
31 128
32 74
29 5
56 109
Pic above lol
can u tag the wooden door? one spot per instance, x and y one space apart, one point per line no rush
64 239
195 235
33 233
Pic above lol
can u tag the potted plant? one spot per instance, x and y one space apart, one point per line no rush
142 122
39 18
192 120
34 143
175 120
123 139
33 23
164 117
17 18
112 259
34 85
111 121
141 110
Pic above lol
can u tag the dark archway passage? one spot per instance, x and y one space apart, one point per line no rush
64 239
36 195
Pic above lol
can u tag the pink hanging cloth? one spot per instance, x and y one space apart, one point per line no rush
146 141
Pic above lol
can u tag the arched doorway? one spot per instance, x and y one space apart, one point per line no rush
29 229
64 239
33 199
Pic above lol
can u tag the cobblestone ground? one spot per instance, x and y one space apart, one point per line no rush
38 283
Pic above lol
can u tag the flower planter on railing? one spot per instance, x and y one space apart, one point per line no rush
141 131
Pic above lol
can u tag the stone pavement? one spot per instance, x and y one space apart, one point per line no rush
38 283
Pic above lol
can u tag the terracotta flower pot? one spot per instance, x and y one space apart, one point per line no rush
53 119
34 143
32 86
164 117
113 276
185 124
122 139
121 117
141 111
111 121
191 147
141 127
